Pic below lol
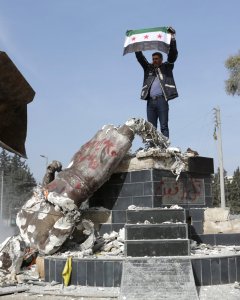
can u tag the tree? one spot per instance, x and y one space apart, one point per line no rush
18 183
234 192
233 83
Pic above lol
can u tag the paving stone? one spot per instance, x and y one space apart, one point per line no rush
200 165
91 273
141 176
227 239
215 271
119 216
197 227
197 271
206 272
232 269
204 238
196 214
224 270
120 178
99 272
143 201
108 273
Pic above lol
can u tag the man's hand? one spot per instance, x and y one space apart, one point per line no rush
171 30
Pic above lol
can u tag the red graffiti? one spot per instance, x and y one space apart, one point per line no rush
183 190
91 154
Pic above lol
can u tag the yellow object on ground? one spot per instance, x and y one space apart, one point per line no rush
66 273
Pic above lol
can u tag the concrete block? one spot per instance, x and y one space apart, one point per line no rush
235 225
141 176
200 165
217 227
216 214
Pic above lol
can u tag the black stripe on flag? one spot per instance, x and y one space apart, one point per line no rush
150 45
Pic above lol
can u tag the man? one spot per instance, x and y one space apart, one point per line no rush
158 85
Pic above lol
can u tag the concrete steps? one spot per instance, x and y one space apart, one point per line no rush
156 231
169 247
146 234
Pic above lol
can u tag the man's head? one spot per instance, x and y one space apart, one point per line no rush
157 59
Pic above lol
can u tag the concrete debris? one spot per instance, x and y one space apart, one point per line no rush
121 236
88 230
236 285
109 244
175 207
159 146
12 290
132 207
169 159
148 132
11 254
191 152
209 250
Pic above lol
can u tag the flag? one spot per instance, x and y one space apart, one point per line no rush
67 271
147 39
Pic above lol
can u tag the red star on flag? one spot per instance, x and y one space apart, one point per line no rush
146 37
133 38
159 36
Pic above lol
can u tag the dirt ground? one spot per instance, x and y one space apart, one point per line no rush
226 292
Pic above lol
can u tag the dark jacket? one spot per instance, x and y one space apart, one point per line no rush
165 74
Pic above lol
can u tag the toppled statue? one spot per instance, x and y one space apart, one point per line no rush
50 216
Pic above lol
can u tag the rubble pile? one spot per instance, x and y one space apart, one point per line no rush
108 245
209 250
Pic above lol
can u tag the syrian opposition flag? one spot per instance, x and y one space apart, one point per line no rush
147 39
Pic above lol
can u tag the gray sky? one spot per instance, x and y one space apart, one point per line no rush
70 51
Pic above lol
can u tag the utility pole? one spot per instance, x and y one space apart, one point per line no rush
218 137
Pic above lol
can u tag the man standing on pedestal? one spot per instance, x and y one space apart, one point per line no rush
159 85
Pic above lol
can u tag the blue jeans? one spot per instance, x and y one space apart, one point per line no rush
158 109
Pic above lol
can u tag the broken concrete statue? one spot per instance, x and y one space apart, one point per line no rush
50 216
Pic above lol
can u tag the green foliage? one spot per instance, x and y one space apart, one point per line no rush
233 83
232 191
17 182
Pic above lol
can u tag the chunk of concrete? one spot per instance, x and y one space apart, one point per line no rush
232 226
216 214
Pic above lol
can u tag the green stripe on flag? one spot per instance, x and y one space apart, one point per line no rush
132 32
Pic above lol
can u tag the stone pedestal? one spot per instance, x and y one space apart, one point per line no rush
153 188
